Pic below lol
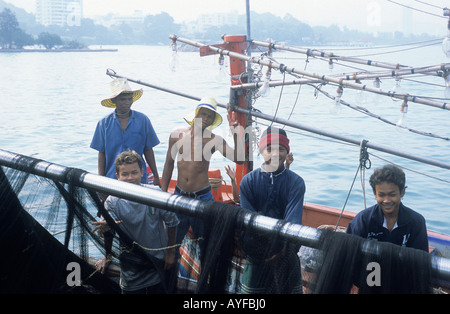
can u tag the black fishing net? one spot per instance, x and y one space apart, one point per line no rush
46 230
45 237
343 264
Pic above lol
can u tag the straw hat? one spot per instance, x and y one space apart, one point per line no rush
209 103
118 86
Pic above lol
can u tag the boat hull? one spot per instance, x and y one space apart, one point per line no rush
319 216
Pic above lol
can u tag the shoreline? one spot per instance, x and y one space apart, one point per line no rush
56 50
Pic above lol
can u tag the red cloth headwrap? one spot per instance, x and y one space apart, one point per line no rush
274 139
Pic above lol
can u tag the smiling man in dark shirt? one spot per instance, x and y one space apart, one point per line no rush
389 220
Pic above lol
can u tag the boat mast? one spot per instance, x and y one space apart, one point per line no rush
249 37
238 67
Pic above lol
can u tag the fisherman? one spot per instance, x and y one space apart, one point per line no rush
389 220
231 172
193 147
274 191
124 129
146 226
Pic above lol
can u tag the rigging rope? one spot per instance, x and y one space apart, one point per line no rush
367 112
429 4
395 51
298 92
364 163
415 9
371 154
436 41
279 98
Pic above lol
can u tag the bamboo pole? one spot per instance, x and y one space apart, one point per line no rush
344 82
332 56
346 139
302 126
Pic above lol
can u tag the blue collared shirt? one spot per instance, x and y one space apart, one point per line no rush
109 139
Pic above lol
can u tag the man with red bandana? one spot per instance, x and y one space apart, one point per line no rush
274 191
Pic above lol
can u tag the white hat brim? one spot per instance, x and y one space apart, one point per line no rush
108 101
189 118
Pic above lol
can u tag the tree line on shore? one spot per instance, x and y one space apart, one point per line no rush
155 29
14 37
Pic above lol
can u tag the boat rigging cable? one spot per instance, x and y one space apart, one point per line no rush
294 233
346 81
296 125
329 55
415 9
301 81
367 112
397 71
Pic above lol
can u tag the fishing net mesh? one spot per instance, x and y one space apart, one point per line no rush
45 225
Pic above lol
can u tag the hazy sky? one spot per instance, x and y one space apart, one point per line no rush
366 15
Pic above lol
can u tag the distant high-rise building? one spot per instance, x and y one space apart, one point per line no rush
59 12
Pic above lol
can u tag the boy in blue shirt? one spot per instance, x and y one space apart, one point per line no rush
389 220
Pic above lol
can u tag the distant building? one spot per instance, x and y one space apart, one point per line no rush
116 19
59 12
218 19
205 21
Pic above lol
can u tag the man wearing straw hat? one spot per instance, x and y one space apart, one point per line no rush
124 129
193 147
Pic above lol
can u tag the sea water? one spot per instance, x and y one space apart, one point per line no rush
50 106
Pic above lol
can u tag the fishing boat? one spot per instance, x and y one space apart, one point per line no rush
316 217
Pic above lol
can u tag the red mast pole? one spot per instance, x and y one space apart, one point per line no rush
238 43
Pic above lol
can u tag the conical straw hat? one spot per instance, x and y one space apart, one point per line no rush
209 103
119 86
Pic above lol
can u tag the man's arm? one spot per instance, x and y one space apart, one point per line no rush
101 164
101 227
169 258
246 196
236 155
150 158
420 238
294 207
232 174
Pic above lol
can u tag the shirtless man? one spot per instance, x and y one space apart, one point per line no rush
193 147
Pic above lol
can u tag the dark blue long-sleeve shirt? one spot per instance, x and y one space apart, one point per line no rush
411 229
277 194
